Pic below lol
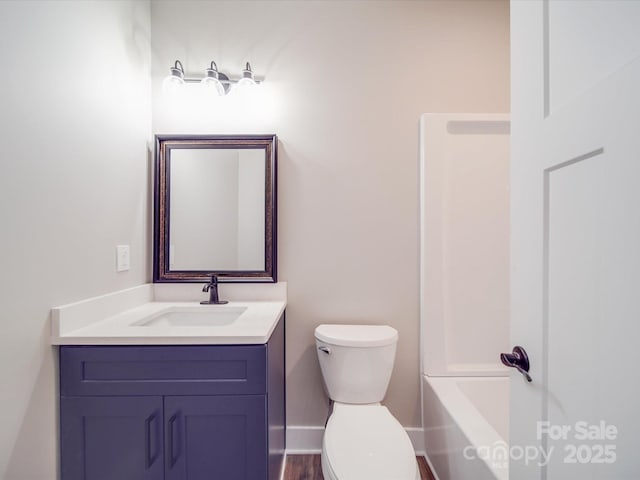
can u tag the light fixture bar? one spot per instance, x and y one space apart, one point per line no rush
219 81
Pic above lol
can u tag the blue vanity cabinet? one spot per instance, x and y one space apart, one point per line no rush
225 437
174 412
104 438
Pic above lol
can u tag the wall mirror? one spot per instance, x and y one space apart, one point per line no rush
215 208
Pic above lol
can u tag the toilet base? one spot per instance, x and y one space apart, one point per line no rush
365 442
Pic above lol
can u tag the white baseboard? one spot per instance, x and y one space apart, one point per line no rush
308 440
433 470
304 440
416 434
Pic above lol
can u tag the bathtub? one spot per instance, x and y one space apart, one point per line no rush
464 293
466 427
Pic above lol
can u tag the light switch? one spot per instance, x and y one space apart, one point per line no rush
123 260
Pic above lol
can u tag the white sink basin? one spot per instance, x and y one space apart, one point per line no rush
195 316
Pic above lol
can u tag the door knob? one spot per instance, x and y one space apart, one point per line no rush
517 359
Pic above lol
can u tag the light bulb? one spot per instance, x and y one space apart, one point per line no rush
247 77
211 82
212 85
174 80
171 84
245 82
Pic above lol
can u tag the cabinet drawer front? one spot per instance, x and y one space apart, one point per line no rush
163 370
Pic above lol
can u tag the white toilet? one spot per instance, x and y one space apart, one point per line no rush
362 440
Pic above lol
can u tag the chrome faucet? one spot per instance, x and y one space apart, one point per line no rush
212 288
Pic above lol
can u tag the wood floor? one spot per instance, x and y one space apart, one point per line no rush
308 467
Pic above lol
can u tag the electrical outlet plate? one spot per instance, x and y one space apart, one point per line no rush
123 261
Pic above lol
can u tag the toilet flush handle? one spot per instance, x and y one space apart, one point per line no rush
324 349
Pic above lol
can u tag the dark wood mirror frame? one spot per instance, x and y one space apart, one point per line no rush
164 144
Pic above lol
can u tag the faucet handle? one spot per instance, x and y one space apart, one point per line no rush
212 288
212 283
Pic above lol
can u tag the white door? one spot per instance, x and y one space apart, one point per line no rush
576 238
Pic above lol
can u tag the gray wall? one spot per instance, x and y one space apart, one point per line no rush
346 82
74 132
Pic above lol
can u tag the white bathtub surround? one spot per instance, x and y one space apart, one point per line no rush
464 293
117 318
465 427
464 247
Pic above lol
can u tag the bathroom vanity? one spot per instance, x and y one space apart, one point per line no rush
142 399
156 386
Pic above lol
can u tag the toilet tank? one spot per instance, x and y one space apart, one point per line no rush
356 361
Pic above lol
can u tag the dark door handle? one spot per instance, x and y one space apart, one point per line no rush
517 359
151 439
174 453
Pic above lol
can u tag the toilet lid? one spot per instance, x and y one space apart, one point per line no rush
357 335
365 442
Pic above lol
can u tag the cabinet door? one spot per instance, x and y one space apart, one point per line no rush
216 437
107 438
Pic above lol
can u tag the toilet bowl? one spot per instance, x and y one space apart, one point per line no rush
362 439
366 442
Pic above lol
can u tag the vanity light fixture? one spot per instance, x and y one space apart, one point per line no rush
213 81
247 76
175 79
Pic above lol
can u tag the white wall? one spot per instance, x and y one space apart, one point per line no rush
346 82
74 130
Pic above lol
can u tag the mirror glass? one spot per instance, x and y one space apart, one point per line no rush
215 208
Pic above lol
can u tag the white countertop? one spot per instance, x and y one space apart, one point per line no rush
114 319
